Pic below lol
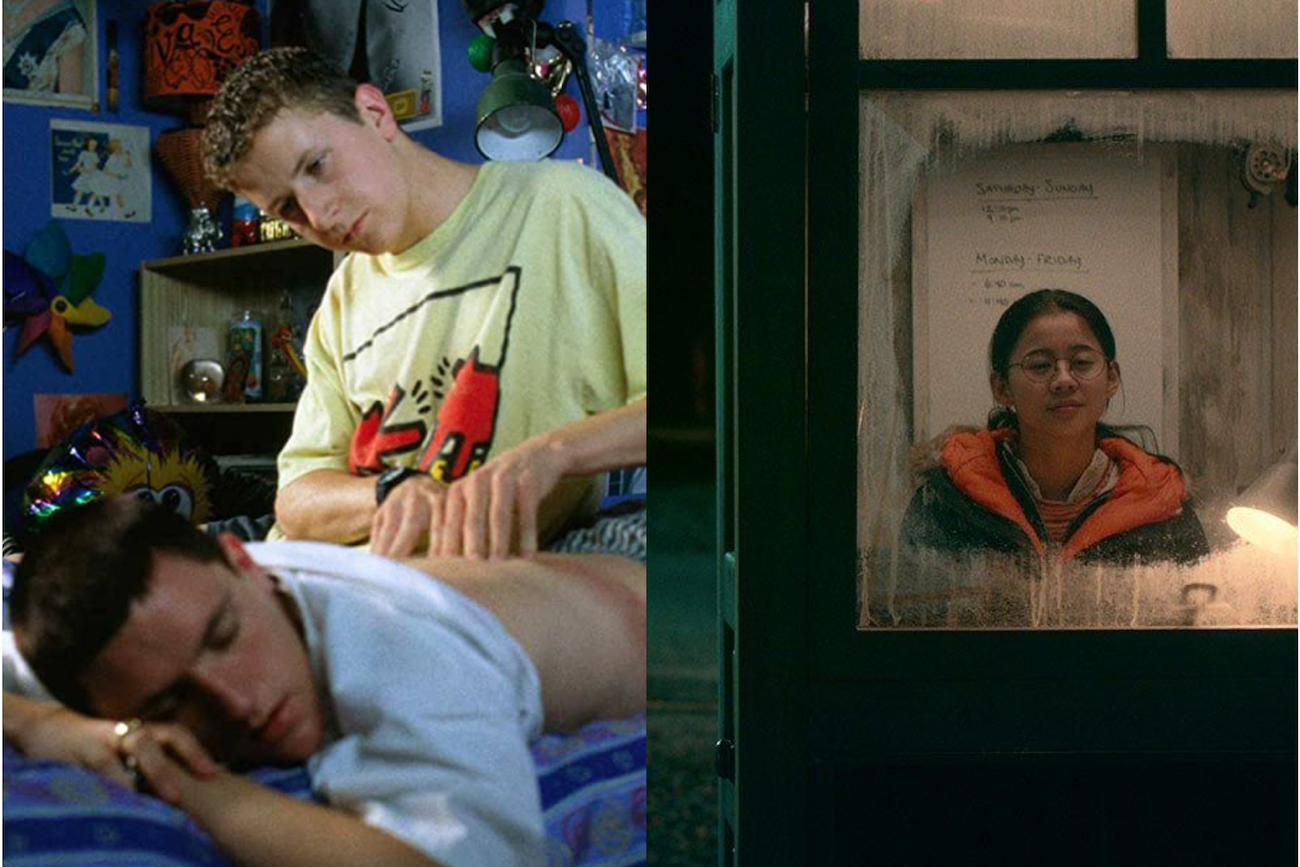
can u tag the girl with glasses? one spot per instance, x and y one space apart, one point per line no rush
1047 481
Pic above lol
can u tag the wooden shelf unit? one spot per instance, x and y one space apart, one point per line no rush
207 290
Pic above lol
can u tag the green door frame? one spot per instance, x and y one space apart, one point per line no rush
759 273
803 693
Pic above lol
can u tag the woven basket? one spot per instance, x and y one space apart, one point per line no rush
181 153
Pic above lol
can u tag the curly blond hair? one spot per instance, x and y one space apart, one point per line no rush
265 84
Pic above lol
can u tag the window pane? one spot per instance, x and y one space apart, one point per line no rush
1231 28
1001 29
1140 203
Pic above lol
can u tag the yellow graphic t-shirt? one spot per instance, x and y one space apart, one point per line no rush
521 313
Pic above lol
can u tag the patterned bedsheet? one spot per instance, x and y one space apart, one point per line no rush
592 782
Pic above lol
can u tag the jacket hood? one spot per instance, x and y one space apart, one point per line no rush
970 458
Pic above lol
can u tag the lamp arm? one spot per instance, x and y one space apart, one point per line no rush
565 37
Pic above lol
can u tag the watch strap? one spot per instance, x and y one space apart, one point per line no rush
390 479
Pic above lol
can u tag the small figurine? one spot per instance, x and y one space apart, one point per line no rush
202 234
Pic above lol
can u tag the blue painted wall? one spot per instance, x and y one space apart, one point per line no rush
106 358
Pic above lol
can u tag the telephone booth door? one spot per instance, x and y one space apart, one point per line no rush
890 176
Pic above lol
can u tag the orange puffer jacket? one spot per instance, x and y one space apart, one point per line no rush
975 501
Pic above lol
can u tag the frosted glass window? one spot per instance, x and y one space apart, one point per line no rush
1231 28
997 29
1140 202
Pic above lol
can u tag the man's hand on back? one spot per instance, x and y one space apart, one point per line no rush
403 521
491 512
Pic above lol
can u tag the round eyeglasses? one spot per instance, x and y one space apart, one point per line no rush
1084 365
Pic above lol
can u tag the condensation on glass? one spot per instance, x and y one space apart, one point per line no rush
1231 28
1212 368
1001 29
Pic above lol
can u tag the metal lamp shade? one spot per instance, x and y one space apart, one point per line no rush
516 116
1265 513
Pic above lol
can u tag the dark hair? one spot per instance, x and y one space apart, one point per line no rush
74 588
265 84
1016 318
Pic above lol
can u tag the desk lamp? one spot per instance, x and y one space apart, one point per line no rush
516 117
1265 513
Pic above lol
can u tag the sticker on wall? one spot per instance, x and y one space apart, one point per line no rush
99 171
50 53
48 288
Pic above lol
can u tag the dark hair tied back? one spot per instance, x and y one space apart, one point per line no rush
1016 318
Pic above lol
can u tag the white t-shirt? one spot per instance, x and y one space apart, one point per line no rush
433 706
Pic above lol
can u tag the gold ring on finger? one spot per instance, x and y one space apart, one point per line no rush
124 728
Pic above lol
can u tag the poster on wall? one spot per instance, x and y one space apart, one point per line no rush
51 55
401 48
99 171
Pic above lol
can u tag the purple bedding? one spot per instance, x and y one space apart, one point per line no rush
592 782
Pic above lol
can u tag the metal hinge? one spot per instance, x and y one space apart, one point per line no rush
724 760
715 97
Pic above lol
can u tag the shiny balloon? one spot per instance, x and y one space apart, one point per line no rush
136 451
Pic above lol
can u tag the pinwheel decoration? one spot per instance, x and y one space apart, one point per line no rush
48 288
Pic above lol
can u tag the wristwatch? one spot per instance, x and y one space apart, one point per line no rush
391 478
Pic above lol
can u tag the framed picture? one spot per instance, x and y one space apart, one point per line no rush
401 48
51 53
99 171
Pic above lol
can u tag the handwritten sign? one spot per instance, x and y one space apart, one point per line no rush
999 228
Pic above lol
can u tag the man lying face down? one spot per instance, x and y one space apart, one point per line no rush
411 698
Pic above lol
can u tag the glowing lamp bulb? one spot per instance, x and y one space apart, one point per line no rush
1263 529
1265 513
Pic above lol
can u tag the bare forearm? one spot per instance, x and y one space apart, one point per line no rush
609 440
46 730
22 715
259 827
326 506
333 506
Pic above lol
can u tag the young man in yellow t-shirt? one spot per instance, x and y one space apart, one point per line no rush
479 356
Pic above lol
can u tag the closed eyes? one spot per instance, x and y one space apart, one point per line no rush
225 633
220 635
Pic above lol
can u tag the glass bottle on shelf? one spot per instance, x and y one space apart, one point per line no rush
284 381
244 368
